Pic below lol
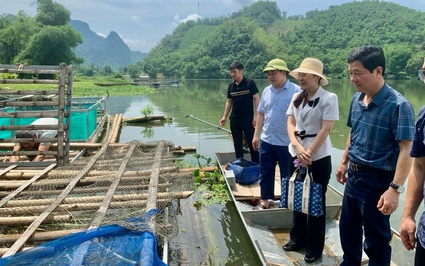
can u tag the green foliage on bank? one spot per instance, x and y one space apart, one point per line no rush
86 87
261 32
46 39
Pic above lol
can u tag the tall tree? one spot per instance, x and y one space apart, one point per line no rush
15 32
48 41
50 13
51 46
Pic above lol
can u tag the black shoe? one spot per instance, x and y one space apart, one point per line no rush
311 259
292 247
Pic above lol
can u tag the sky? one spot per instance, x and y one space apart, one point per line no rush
143 23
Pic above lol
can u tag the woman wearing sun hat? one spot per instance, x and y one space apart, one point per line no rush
311 116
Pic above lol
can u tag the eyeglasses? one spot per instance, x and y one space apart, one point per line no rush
421 74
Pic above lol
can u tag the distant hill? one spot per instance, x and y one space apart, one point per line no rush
260 32
99 51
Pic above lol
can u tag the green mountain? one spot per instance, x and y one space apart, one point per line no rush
99 51
261 32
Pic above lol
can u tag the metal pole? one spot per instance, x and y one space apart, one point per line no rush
208 123
244 144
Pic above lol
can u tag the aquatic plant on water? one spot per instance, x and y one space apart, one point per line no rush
212 188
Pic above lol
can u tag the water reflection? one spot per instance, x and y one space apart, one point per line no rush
235 236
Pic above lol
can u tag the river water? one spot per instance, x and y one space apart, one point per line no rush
214 234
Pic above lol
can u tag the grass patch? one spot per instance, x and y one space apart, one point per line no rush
84 87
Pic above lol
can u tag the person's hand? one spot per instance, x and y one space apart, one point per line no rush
305 159
341 173
388 202
255 143
223 121
407 233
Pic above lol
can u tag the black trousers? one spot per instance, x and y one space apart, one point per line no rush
419 254
239 127
309 231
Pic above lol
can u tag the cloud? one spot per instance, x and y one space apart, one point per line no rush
136 19
192 17
134 44
102 34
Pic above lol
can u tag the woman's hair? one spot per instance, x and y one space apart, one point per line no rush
371 56
300 98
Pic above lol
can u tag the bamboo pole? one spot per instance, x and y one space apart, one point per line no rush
141 160
140 175
101 212
153 184
39 236
203 169
27 174
73 145
27 220
116 128
89 206
50 235
4 250
94 199
84 190
10 181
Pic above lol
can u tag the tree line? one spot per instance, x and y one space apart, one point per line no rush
261 32
254 35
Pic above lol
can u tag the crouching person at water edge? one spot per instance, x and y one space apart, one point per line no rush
31 145
376 158
311 116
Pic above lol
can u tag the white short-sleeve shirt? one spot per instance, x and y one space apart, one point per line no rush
309 118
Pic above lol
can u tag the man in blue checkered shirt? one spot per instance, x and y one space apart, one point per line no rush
376 159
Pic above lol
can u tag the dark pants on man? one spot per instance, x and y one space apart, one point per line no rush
269 156
309 231
419 254
361 195
239 127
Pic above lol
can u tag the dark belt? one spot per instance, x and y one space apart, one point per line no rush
368 169
303 135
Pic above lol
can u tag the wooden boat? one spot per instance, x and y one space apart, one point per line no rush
269 229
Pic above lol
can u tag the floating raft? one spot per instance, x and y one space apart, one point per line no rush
109 187
143 119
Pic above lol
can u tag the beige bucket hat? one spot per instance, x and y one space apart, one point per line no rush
311 66
276 64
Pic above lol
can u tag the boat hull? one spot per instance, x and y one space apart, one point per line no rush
269 229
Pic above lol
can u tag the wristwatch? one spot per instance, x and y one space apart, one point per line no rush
398 188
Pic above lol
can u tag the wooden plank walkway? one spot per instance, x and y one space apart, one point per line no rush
249 192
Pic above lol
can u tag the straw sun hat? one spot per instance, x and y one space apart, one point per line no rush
311 66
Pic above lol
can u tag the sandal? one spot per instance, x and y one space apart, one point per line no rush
260 207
